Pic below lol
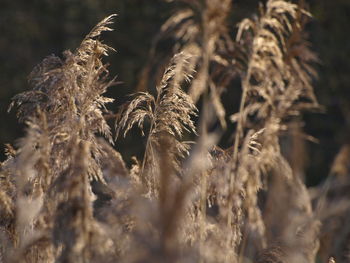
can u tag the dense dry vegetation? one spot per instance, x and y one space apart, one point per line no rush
66 194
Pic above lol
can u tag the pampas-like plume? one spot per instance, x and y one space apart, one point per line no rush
176 205
276 86
63 110
169 114
200 28
69 92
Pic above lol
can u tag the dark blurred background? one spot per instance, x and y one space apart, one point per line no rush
31 30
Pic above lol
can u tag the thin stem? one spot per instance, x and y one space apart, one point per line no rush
234 163
238 134
203 129
203 210
145 155
148 143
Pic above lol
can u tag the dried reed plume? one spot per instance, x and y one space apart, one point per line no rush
169 114
66 194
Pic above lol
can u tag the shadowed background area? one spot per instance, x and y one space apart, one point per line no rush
31 30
